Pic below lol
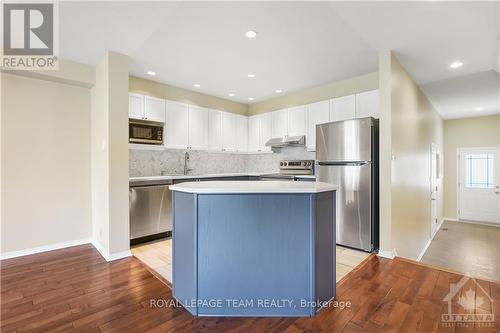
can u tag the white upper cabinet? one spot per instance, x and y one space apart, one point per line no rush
215 130
135 106
297 120
253 134
176 126
279 123
146 108
367 104
154 109
197 128
317 113
343 108
228 131
241 134
265 131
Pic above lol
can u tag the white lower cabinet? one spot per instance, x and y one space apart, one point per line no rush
367 104
197 128
317 113
343 108
176 125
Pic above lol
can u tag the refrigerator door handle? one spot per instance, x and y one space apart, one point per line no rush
345 163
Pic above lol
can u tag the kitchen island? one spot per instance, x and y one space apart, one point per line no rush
253 248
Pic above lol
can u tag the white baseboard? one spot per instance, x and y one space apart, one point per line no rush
45 248
453 219
478 223
425 248
110 257
387 254
432 237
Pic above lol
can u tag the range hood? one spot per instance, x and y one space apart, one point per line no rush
287 141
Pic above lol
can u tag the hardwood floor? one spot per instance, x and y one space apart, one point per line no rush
465 247
157 255
76 290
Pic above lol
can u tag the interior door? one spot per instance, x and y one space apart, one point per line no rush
479 193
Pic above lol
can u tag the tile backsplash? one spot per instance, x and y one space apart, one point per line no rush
171 161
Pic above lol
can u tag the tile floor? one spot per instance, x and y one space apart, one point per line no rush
466 248
158 256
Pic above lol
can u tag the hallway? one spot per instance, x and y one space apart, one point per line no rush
467 248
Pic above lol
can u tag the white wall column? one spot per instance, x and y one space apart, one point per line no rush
109 157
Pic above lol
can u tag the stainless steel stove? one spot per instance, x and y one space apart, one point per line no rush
289 169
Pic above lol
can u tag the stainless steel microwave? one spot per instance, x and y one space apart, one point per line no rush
145 132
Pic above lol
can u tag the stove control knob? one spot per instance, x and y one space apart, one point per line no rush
284 163
281 163
308 163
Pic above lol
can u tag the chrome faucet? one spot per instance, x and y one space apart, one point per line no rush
186 160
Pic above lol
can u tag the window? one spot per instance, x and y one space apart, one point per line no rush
479 171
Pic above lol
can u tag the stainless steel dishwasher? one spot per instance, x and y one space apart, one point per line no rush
150 211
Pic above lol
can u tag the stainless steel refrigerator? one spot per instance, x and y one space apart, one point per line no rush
347 156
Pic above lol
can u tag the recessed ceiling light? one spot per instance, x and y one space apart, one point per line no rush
197 85
231 94
479 108
278 91
151 73
251 34
456 64
251 98
251 75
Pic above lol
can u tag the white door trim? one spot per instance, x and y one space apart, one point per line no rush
457 181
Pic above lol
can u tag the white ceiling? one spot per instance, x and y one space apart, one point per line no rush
459 97
298 44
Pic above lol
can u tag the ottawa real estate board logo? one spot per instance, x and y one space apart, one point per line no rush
29 36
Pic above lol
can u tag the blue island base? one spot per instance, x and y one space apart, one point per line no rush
254 254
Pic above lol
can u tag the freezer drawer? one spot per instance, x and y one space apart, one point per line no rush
150 210
354 203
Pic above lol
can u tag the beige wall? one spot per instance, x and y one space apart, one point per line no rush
161 90
68 72
385 152
109 155
415 124
316 94
45 159
464 133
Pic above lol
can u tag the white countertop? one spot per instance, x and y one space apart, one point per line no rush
172 177
214 187
306 176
